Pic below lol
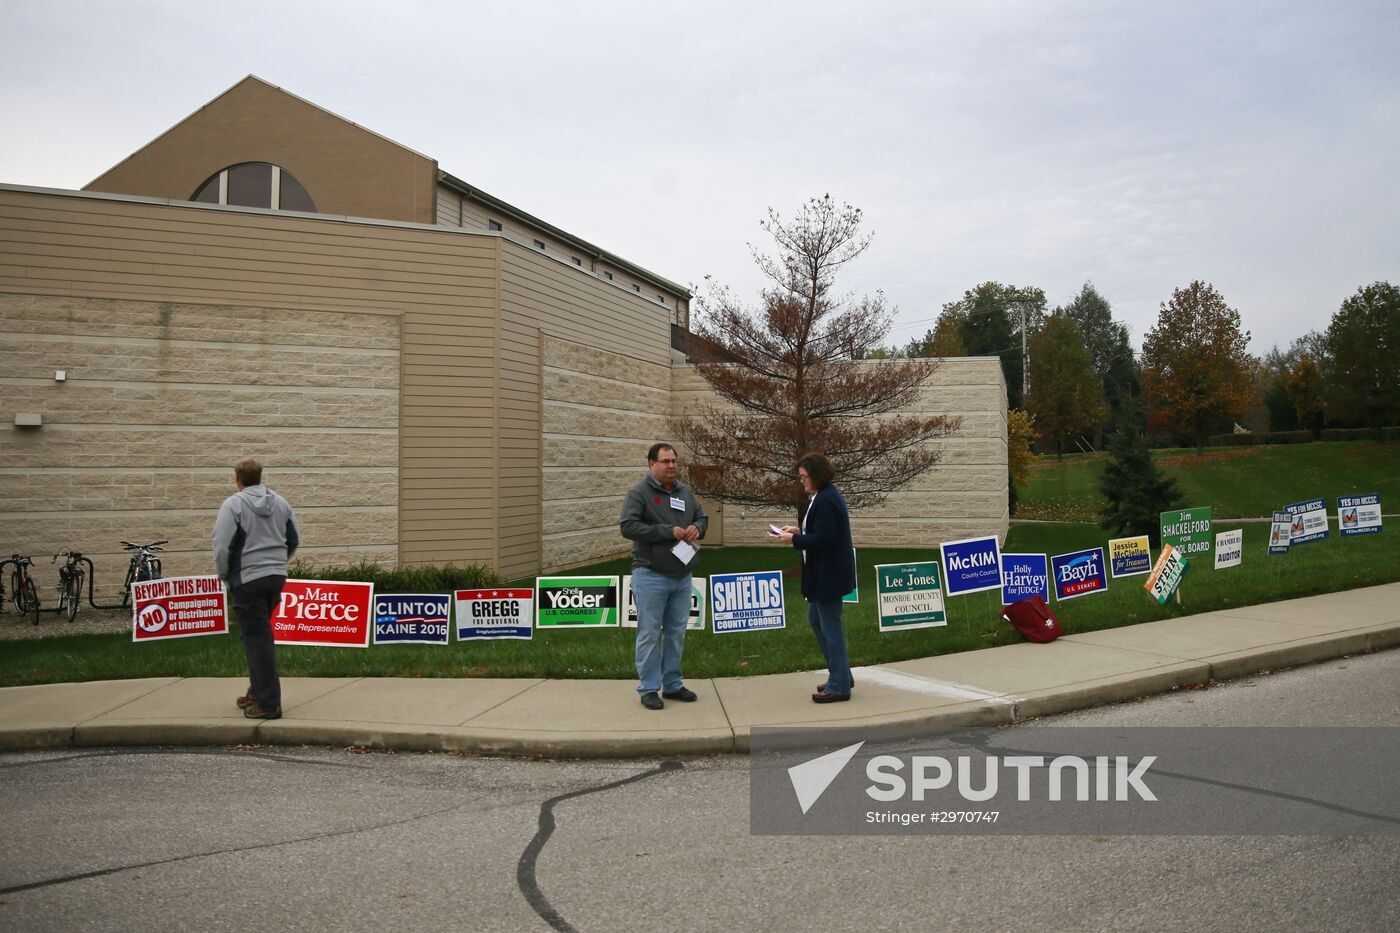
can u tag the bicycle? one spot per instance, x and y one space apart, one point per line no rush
70 582
145 565
22 588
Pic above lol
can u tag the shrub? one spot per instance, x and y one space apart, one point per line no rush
1261 437
430 579
1354 434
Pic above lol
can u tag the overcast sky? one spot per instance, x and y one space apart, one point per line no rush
1138 145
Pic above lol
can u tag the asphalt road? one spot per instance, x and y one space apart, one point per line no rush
320 839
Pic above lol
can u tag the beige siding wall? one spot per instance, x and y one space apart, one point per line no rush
194 336
964 496
585 379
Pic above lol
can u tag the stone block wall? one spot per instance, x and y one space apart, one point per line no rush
601 412
161 398
963 496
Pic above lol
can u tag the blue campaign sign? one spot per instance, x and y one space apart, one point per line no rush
410 618
747 602
1309 521
971 565
1078 573
1359 515
1024 576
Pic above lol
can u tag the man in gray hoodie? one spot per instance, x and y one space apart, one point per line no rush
254 537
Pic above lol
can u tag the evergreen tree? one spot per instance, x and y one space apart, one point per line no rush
1107 342
1135 491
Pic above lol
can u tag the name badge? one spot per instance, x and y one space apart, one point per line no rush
678 504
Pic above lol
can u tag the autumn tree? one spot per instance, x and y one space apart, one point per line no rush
1134 488
1066 397
1110 351
1020 435
941 341
790 377
1303 384
1272 378
988 320
1363 350
1196 371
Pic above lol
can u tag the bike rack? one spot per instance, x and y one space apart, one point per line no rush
92 582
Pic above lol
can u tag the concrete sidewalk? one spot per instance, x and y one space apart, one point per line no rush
602 718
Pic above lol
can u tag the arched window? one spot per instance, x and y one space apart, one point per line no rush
255 184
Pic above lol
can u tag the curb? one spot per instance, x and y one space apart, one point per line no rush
735 740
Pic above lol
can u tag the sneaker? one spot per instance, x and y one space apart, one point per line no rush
684 695
246 700
254 711
652 701
827 696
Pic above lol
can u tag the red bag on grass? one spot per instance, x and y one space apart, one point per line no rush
1033 619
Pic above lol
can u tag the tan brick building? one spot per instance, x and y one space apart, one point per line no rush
430 374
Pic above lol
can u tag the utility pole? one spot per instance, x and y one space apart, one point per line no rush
1025 358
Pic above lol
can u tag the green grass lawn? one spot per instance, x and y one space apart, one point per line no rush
1237 482
1323 566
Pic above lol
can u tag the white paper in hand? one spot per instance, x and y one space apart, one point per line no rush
774 531
685 551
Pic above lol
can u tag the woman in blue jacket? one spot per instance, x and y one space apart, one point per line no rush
828 570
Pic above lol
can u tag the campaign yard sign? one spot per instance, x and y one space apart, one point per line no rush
1024 576
909 596
747 602
1129 557
575 602
411 618
1359 515
1166 574
972 565
1229 548
1079 573
178 607
1309 521
854 595
501 612
1187 530
698 600
1280 533
328 613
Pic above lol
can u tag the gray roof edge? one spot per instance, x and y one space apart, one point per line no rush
511 210
201 205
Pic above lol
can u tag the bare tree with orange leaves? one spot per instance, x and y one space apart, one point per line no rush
791 378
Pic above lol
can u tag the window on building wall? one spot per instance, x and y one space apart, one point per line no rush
637 289
608 276
255 184
661 299
493 225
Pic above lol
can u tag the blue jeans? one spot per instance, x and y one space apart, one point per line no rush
663 609
825 619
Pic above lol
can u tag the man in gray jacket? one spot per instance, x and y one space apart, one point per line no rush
664 523
254 536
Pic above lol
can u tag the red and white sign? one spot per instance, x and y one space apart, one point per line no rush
178 607
331 613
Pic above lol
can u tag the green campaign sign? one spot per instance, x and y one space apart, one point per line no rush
909 596
575 602
854 595
1188 531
